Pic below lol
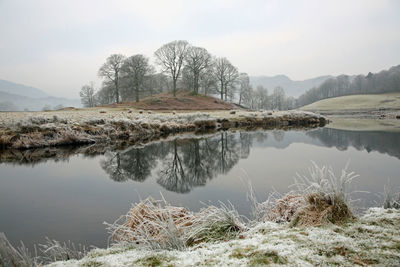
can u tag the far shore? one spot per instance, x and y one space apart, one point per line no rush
110 125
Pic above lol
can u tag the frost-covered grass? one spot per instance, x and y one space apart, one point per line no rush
373 239
311 226
158 225
34 130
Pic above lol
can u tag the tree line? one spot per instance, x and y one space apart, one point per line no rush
385 81
182 67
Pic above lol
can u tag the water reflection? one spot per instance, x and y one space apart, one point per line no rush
181 164
71 191
383 142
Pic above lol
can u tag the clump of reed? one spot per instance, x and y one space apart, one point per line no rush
18 257
48 252
54 250
158 225
326 196
391 199
320 198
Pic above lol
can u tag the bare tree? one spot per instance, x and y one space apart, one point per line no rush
278 98
111 71
134 70
208 81
261 97
171 57
197 60
244 87
226 75
87 95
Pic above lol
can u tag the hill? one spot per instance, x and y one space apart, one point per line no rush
356 102
292 88
182 101
14 102
22 90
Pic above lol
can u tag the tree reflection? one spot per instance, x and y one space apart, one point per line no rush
181 164
383 142
172 174
134 164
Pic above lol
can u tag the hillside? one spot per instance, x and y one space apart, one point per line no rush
22 90
19 103
18 97
356 102
182 101
292 88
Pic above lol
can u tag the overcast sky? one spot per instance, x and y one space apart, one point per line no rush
59 45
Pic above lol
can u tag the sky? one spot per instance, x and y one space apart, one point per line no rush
59 45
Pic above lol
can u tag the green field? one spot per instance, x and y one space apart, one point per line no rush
356 102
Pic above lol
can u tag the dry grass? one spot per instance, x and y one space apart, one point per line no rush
182 101
15 257
154 224
284 209
158 225
391 199
326 197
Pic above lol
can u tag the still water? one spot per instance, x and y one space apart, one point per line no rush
70 197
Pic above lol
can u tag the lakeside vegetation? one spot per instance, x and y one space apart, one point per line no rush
312 225
129 127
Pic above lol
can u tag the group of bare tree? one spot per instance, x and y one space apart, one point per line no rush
259 99
182 66
383 82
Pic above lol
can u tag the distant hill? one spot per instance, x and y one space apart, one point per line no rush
292 88
18 97
13 102
22 90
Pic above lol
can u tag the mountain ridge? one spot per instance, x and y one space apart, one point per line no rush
19 97
21 89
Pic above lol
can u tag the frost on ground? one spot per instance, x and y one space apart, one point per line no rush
373 239
22 130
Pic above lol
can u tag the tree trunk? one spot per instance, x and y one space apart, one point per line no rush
137 94
116 90
174 84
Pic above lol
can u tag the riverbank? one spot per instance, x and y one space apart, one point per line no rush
373 239
26 130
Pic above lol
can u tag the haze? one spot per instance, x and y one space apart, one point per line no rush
59 45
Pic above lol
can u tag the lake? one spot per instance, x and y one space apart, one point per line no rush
69 197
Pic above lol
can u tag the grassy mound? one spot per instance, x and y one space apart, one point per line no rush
182 101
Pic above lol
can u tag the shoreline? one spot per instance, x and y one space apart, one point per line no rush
21 131
370 240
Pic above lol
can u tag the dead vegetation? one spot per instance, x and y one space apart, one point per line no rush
158 225
182 101
42 131
321 198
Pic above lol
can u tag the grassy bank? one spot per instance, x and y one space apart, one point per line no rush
371 240
311 225
357 102
21 130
